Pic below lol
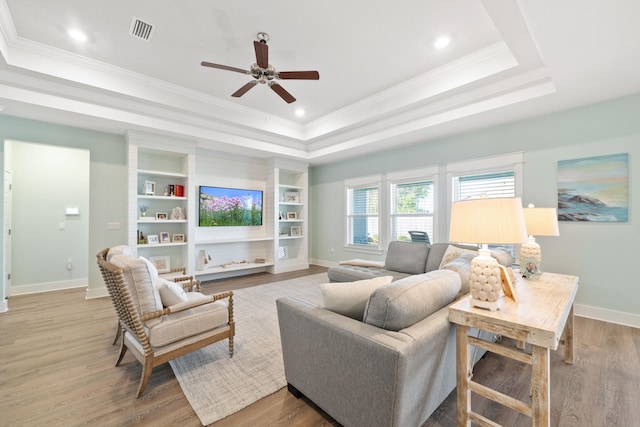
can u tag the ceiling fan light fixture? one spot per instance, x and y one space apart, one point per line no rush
263 37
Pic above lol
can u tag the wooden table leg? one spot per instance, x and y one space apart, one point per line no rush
463 394
568 339
540 404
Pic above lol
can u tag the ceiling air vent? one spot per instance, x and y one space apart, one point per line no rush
141 29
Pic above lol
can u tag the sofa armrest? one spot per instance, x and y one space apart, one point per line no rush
388 378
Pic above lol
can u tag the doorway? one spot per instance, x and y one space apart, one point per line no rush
47 223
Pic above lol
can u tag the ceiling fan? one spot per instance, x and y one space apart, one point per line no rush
265 73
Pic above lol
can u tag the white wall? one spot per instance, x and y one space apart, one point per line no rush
602 254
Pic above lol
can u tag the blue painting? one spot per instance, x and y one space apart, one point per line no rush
594 189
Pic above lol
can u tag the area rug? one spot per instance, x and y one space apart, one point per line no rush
215 384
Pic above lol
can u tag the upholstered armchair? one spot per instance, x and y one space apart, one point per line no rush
159 320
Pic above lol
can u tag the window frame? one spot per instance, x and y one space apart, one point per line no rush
370 181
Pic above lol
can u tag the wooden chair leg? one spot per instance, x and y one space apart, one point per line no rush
147 367
123 350
231 346
118 333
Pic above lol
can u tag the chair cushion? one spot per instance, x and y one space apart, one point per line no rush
188 323
118 250
138 278
170 292
407 257
401 304
350 298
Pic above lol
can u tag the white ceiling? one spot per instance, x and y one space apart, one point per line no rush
382 82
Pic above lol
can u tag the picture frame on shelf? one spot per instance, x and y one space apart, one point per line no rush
283 252
149 188
296 230
178 238
292 215
292 197
165 237
152 239
161 216
162 263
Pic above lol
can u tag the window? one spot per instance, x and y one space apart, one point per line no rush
499 176
412 205
492 184
363 213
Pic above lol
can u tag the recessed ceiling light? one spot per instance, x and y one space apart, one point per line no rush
299 112
442 42
77 35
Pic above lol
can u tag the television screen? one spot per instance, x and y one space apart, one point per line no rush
221 206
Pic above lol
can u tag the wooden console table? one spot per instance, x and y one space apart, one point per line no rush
543 311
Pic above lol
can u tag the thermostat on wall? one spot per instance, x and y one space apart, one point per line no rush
72 210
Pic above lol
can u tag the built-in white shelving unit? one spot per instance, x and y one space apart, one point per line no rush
169 165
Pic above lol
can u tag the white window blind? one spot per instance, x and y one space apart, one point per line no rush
363 208
412 206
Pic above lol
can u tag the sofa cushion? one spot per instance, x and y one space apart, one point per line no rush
350 298
170 292
407 257
503 256
436 252
462 266
138 279
401 304
188 323
119 250
454 252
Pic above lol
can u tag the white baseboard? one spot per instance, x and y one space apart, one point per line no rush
96 293
4 307
323 263
606 315
47 287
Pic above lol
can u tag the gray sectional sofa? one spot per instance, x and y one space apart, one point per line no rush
394 363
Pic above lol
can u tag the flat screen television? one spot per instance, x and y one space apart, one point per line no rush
221 206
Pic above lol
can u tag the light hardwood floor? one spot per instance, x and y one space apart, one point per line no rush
57 369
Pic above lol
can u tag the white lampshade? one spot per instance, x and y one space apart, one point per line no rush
487 221
541 221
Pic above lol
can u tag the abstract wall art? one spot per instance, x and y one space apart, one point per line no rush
594 189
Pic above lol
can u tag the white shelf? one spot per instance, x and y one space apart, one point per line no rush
144 196
290 220
161 221
162 245
290 237
238 240
235 267
290 204
291 187
161 173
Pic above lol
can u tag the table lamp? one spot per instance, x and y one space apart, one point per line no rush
540 222
487 221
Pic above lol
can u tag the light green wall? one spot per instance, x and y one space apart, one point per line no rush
47 179
108 182
600 253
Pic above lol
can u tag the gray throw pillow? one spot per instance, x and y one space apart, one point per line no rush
405 302
407 257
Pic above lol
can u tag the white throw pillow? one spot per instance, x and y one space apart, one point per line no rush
170 292
350 298
452 253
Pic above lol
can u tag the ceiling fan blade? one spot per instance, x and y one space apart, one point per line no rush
244 89
223 67
299 75
262 54
288 98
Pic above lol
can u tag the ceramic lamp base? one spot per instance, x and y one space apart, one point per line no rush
484 281
490 305
530 259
